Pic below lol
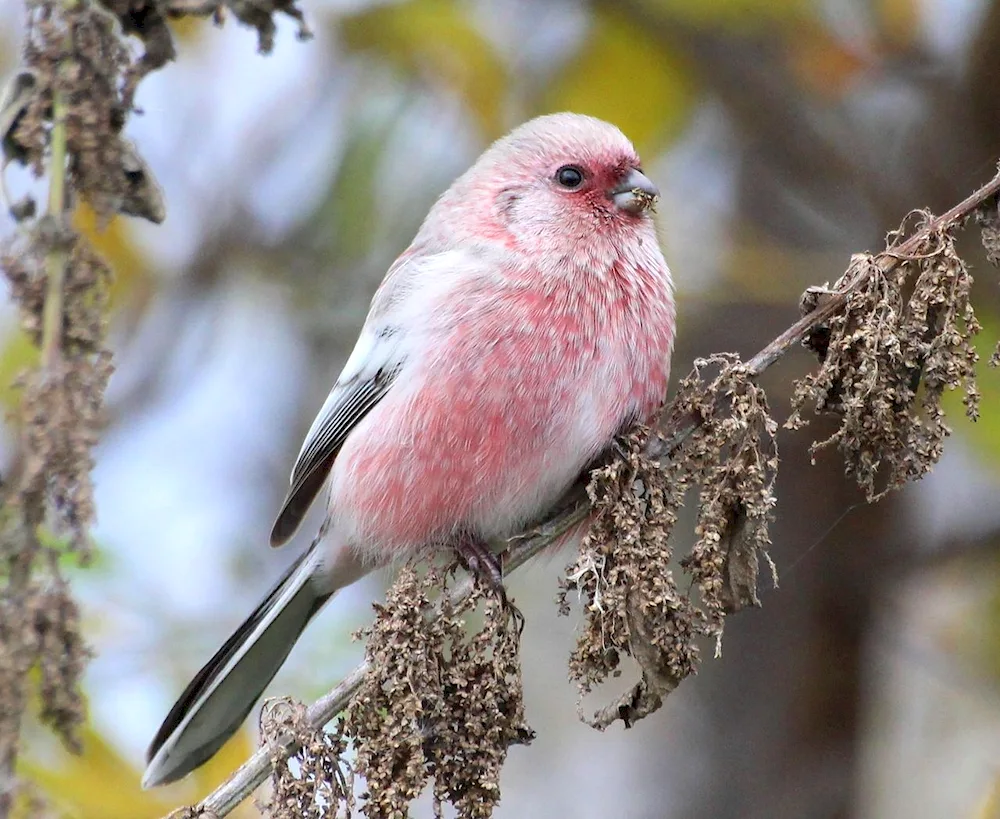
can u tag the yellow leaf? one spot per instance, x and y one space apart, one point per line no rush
97 784
437 41
101 784
990 807
19 354
825 65
900 23
625 75
115 245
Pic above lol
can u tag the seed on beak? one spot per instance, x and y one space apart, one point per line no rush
635 193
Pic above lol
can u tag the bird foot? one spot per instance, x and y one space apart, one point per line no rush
481 562
487 568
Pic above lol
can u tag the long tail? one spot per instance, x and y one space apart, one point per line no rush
220 696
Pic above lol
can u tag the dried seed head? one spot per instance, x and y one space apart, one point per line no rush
633 603
61 404
904 338
988 218
62 657
315 781
438 703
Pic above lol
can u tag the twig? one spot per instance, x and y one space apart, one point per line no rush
575 507
676 430
53 316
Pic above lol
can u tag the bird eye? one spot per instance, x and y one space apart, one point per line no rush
569 176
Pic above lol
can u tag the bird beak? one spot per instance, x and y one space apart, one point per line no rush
635 192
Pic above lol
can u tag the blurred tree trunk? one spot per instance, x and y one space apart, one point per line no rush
787 700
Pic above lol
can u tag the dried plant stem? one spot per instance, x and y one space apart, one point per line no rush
675 430
19 563
57 256
574 510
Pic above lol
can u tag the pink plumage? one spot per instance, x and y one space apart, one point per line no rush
531 319
544 329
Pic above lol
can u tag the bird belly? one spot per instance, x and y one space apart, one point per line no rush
487 432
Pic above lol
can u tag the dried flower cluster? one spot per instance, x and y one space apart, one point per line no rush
51 489
905 336
61 402
75 68
314 782
987 216
438 702
148 21
633 603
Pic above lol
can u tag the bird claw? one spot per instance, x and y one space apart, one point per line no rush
487 569
481 562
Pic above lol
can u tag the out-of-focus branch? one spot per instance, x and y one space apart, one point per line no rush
52 319
19 568
574 508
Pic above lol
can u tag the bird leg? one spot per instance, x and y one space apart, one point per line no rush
486 567
481 562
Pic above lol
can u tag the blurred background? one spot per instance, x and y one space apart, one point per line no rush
785 135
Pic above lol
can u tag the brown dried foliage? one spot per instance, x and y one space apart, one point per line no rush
438 702
147 20
61 654
901 335
625 575
75 52
988 218
61 404
39 628
62 114
314 782
60 408
904 338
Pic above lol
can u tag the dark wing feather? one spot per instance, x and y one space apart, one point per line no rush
351 402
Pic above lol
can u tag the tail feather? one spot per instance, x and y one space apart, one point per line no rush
218 699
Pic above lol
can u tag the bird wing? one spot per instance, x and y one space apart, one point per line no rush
367 377
387 341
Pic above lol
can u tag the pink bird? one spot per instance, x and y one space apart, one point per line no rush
529 322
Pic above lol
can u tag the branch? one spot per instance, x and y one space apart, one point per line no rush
52 318
575 507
